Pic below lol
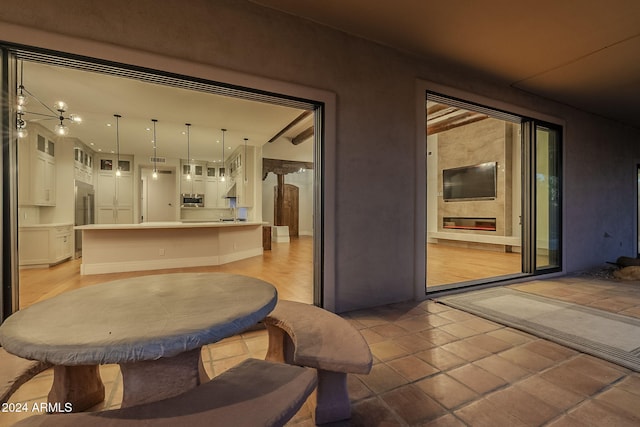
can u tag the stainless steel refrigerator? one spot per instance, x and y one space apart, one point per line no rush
85 210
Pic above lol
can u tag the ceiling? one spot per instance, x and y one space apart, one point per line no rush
582 53
96 97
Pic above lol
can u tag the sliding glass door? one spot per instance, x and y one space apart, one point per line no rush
547 198
493 195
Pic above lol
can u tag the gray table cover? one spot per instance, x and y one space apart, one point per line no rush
135 319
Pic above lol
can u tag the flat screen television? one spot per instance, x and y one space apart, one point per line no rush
476 182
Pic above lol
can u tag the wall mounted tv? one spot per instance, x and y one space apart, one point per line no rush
476 182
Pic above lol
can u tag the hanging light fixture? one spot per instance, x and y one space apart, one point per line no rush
244 166
21 100
118 171
155 152
222 178
57 112
188 152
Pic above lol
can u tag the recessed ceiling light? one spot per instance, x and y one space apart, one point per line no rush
108 124
92 144
148 129
112 151
99 149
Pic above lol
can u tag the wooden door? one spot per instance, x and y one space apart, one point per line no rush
290 208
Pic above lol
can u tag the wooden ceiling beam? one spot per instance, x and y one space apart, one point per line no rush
438 110
294 122
303 136
454 122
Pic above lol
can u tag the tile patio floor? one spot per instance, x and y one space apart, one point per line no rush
438 366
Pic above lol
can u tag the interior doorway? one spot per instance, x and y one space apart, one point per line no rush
158 200
286 208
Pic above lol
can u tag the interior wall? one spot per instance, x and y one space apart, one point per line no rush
374 167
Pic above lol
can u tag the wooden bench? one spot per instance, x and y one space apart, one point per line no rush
253 393
305 335
15 371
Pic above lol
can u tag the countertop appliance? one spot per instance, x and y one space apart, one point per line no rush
191 200
84 210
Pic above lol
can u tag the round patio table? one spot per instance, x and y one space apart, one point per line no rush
152 326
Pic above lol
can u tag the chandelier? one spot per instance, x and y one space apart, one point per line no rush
57 112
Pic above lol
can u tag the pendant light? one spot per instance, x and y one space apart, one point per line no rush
188 125
155 152
222 178
118 172
21 124
244 161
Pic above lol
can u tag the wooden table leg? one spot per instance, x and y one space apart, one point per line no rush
152 380
79 386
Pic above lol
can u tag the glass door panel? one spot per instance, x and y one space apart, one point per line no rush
474 161
547 194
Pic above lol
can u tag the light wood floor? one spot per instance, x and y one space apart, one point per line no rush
453 264
287 266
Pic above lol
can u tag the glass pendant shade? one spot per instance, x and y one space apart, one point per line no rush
21 100
22 132
60 106
61 130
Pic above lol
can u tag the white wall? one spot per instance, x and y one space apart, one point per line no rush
375 169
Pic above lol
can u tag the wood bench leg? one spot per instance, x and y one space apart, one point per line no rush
152 380
331 400
81 386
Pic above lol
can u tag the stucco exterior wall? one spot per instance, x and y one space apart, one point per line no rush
375 166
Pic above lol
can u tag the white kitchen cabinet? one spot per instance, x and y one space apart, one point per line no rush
114 215
197 183
37 169
241 165
45 244
215 188
83 163
114 194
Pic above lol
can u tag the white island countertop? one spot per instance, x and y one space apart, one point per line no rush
113 248
49 225
168 224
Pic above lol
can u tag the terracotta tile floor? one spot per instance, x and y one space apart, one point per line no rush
438 366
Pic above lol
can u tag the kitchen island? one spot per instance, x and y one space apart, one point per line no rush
111 248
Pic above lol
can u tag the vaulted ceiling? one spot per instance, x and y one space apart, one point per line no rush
582 53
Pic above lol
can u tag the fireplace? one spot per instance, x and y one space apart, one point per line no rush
466 223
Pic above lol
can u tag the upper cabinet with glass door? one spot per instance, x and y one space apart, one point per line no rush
83 163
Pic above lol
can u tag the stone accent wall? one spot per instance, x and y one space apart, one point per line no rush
489 140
